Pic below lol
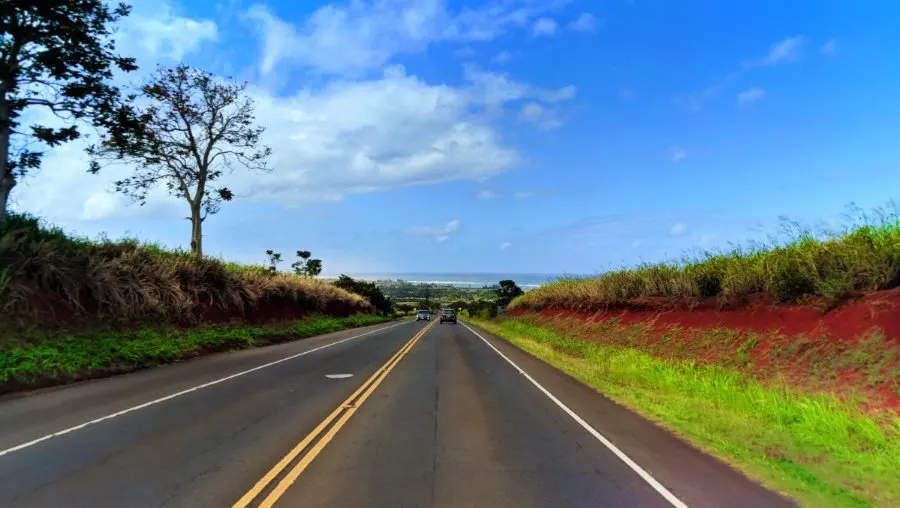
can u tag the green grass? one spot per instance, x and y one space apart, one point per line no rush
81 356
816 449
796 265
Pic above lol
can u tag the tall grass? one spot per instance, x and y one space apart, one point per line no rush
794 265
46 274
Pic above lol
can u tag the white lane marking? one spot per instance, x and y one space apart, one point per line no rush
338 376
606 442
183 392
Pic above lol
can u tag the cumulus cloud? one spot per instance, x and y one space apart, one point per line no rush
785 50
830 47
676 153
346 137
544 27
487 194
523 194
586 22
505 245
751 95
358 36
439 234
164 35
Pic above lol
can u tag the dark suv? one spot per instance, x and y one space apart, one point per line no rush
448 315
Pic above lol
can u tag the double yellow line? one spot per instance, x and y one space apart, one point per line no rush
342 414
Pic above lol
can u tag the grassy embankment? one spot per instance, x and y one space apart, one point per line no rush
821 448
72 308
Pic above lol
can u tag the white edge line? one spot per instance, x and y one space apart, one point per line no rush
184 392
606 442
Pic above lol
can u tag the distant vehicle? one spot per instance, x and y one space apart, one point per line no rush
423 315
448 315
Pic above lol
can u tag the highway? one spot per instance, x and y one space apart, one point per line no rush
399 415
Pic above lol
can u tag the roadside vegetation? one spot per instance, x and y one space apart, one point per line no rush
52 280
814 447
796 265
77 356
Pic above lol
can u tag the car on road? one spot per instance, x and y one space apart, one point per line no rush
448 315
423 315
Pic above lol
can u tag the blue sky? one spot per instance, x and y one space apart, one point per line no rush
519 136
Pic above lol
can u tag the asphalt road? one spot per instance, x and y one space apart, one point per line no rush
432 415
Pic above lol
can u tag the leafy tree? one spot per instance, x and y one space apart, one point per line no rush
274 259
507 291
368 290
196 127
306 267
56 55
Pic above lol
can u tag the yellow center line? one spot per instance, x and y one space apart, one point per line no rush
348 408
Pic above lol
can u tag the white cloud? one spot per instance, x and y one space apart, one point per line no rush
586 22
360 36
830 47
487 194
678 229
505 245
676 153
439 234
542 117
501 57
544 27
155 32
751 95
523 194
344 138
785 50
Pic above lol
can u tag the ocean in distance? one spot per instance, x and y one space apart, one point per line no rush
463 280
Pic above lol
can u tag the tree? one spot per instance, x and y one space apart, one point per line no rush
507 291
274 259
57 55
196 126
306 267
368 290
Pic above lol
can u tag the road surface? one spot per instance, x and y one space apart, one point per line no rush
400 415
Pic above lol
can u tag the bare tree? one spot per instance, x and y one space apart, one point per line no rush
197 127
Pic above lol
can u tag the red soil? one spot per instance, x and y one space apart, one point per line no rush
790 339
848 321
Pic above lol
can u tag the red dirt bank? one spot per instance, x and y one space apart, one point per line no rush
851 348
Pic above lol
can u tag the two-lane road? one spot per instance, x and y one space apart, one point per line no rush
430 415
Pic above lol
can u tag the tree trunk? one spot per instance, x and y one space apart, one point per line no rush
7 180
196 232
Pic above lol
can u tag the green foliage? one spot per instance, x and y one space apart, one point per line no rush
57 55
83 355
507 291
821 451
274 259
864 257
383 305
306 267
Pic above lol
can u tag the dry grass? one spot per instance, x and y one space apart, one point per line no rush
48 276
798 264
